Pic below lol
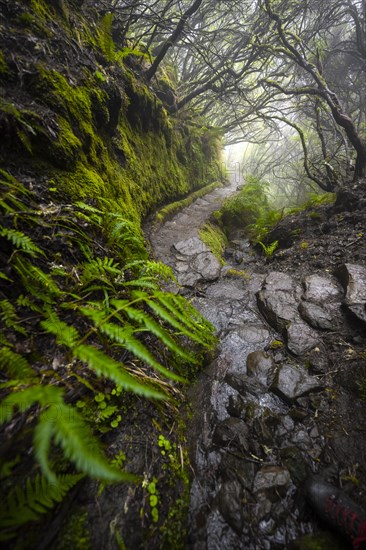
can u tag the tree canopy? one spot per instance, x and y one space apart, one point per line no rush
257 69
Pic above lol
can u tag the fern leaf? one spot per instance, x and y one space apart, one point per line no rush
34 280
4 277
143 282
65 334
106 413
80 445
21 241
125 337
145 320
24 399
10 318
187 314
39 495
88 208
104 365
14 365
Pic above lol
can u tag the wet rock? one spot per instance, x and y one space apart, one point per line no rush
321 304
277 300
294 460
231 505
318 359
236 406
194 262
316 315
207 266
241 341
234 468
231 432
244 384
300 338
261 365
290 383
320 289
272 477
353 279
190 247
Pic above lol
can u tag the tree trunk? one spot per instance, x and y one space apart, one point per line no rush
172 39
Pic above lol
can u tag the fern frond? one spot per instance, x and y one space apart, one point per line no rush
21 241
14 365
79 445
3 276
35 280
65 334
185 313
125 337
39 495
10 318
99 269
158 269
145 321
106 413
143 282
88 208
24 399
104 365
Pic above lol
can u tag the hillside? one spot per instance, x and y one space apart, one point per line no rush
90 344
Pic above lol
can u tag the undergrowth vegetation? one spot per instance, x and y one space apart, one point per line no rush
251 209
84 317
213 236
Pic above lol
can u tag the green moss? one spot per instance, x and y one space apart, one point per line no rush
3 65
75 534
215 239
81 183
66 148
168 211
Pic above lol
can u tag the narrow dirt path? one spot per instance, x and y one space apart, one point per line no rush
187 223
262 409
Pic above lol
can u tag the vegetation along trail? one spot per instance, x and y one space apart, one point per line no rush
205 390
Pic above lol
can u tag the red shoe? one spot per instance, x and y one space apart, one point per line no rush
338 510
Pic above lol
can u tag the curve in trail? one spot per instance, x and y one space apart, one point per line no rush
187 222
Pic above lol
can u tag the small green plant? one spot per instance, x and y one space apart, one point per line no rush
270 249
276 344
153 499
238 273
215 239
304 245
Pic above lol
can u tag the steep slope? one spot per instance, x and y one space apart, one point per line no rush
94 355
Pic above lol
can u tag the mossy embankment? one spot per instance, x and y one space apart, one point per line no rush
75 113
87 151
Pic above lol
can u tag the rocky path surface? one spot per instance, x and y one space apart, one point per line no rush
266 411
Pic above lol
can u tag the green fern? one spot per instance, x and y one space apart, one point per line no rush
105 37
14 365
10 318
29 503
147 322
36 281
65 334
124 335
100 269
21 241
65 427
104 365
26 398
270 249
